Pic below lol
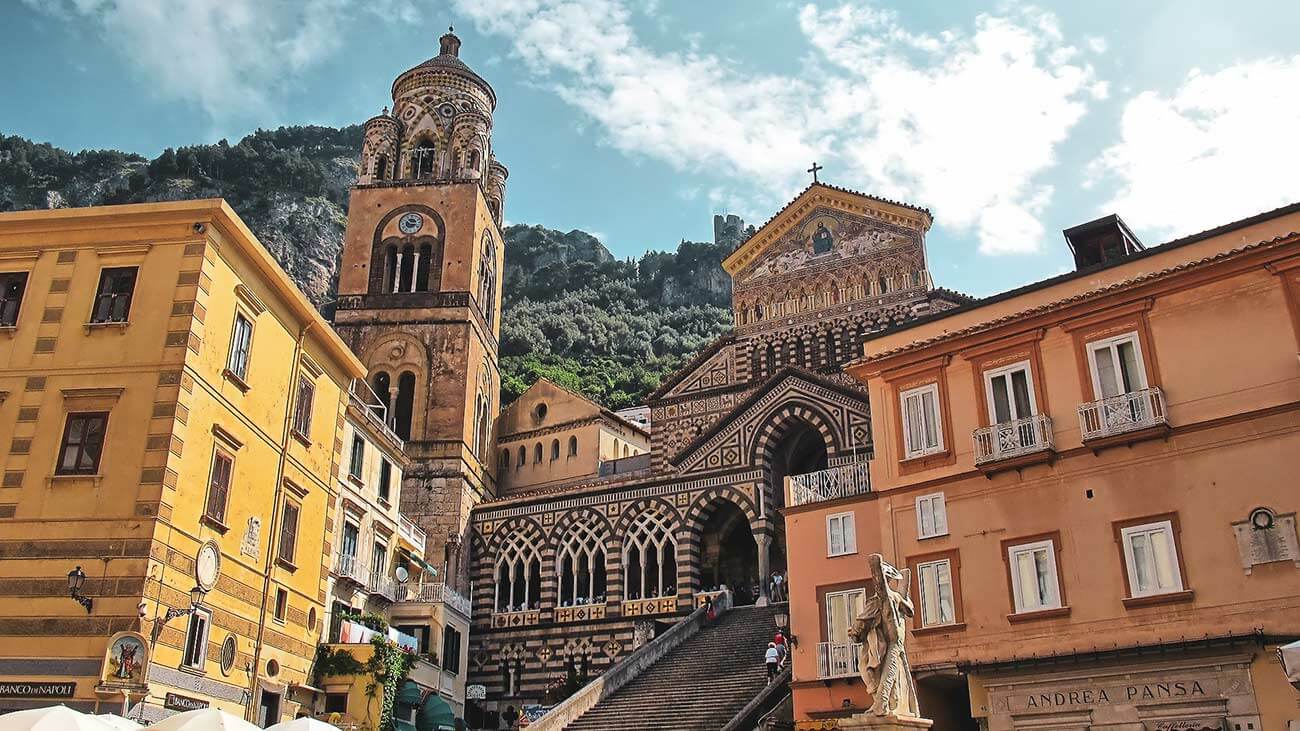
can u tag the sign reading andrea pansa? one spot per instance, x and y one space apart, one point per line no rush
1042 697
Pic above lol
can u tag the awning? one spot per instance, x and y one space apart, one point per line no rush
436 715
420 562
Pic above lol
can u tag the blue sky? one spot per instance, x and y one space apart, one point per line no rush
639 120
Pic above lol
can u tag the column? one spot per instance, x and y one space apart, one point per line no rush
397 272
764 542
415 269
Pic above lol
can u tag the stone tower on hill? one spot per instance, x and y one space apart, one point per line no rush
420 288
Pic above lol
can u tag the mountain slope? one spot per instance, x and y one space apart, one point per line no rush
572 312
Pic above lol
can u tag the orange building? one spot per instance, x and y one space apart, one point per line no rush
1092 482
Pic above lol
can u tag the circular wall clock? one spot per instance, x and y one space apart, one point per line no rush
207 565
410 223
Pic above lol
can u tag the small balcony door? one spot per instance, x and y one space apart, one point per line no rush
1010 393
348 548
1116 365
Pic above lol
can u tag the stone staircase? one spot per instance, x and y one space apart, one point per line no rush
698 686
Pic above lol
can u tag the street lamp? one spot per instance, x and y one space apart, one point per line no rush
196 598
76 580
782 620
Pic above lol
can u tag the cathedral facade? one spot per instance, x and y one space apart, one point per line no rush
570 577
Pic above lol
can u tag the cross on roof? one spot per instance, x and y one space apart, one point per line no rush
815 167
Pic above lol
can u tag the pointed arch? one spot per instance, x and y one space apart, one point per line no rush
516 548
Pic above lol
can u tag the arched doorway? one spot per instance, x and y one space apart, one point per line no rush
799 449
728 553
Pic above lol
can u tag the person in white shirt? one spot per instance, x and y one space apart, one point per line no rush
771 657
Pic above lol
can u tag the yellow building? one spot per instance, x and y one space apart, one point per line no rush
170 406
551 435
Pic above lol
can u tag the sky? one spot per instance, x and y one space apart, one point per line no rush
637 121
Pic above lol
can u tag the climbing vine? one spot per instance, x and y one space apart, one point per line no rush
388 667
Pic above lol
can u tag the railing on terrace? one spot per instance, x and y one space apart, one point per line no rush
1124 413
837 659
433 592
383 585
350 568
413 533
360 394
845 480
1013 438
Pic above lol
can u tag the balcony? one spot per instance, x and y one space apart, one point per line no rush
383 586
1124 419
1013 444
845 480
432 593
412 534
364 399
349 568
837 660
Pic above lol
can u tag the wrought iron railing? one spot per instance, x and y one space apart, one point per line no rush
383 585
845 480
433 592
1124 413
1013 438
837 659
350 567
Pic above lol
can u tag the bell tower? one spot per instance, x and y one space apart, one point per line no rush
420 289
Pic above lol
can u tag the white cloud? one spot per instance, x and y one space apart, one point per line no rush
962 122
1220 147
228 56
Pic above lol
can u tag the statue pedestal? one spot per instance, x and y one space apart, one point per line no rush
873 722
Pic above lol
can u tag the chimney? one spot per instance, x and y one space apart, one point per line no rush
449 44
1103 241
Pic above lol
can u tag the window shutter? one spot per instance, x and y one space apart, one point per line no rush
288 532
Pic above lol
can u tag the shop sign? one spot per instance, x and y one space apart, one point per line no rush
1195 724
1059 697
37 690
475 692
178 702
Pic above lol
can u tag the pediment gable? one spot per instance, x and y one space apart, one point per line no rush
712 368
734 440
561 406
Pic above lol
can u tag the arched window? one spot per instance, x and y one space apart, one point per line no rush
480 424
883 283
828 341
391 266
504 462
796 352
537 453
423 261
382 384
423 156
381 167
625 450
487 280
405 269
573 446
769 360
555 449
523 456
518 575
580 565
650 556
472 159
405 406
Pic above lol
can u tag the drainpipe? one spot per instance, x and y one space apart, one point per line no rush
273 534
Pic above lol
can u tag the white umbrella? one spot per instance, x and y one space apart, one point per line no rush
118 723
302 724
203 719
51 718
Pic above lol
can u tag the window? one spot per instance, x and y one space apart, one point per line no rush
12 286
555 449
421 634
288 532
1010 393
1033 576
841 536
1151 559
931 516
196 639
379 560
348 549
219 486
1116 366
302 408
650 556
573 446
922 434
518 574
336 703
404 408
385 479
504 462
580 565
451 650
935 580
523 456
281 604
842 608
113 298
241 341
357 460
83 444
487 288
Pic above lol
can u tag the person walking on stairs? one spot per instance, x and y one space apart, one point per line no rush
771 657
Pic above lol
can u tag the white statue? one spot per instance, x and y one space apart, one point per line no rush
882 630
